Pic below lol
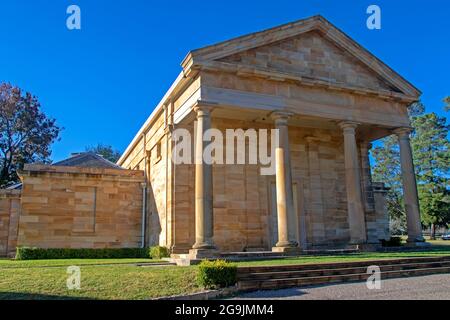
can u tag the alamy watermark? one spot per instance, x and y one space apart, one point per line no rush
374 20
374 280
73 21
228 149
73 281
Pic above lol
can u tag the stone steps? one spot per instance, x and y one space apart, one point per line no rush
337 271
261 278
184 259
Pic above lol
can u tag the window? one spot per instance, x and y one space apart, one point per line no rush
157 152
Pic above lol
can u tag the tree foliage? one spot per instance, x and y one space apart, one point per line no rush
106 151
431 149
26 133
447 103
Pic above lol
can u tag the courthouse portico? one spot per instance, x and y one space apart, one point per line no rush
328 97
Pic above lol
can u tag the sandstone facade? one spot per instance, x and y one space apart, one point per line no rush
337 98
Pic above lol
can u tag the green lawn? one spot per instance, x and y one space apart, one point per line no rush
97 282
120 279
440 248
345 258
7 263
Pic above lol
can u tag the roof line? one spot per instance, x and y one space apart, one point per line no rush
149 120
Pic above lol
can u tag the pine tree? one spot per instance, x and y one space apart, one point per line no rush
431 149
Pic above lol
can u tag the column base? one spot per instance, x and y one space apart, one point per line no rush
418 239
358 242
196 254
289 250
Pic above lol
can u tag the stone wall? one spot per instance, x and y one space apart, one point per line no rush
70 207
9 220
378 221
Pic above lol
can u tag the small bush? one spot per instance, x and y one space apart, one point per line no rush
25 253
392 242
159 252
219 273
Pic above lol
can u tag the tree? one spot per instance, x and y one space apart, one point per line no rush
106 151
431 149
26 133
447 103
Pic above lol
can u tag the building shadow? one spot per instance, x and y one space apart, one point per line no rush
37 296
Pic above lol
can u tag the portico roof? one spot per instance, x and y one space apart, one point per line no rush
209 58
204 56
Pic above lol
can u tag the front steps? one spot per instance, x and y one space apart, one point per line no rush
185 260
276 277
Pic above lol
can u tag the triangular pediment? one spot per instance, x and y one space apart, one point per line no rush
311 50
311 56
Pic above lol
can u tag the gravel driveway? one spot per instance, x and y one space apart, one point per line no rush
417 288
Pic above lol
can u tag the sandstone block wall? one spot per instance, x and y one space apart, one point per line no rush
377 222
69 207
9 220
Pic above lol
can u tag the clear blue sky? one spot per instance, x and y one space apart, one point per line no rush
102 82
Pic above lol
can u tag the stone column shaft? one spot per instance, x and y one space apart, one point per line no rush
410 194
285 198
355 205
204 228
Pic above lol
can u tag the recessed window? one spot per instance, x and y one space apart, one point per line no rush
157 152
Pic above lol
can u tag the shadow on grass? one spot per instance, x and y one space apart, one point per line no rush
37 296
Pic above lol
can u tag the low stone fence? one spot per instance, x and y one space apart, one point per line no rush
76 207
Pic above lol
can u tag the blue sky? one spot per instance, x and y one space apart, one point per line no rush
102 82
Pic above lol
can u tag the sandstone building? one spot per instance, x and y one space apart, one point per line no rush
330 99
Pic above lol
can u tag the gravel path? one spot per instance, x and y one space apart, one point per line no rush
416 288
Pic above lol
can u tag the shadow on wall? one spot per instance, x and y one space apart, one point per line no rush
153 225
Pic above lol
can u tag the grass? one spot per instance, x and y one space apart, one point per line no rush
108 282
344 258
8 263
120 279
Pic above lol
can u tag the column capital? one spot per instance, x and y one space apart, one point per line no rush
403 132
281 117
348 126
202 111
203 108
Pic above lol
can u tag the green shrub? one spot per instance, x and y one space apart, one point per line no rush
159 252
219 273
25 253
392 242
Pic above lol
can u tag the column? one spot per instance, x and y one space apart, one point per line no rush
353 185
285 197
204 227
410 195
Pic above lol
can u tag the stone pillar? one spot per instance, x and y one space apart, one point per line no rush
204 227
410 195
369 203
353 185
285 198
